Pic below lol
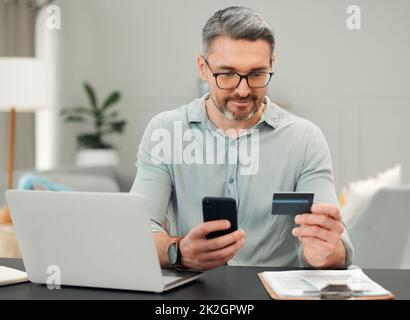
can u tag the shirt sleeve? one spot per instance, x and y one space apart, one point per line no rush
317 177
153 180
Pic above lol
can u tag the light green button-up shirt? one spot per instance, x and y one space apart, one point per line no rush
183 157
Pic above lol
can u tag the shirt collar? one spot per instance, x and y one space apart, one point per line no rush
271 114
197 112
196 109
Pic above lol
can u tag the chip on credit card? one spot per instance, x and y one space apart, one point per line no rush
292 203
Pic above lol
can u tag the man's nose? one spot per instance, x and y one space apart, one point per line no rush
243 89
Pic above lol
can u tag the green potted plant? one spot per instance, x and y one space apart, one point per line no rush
92 149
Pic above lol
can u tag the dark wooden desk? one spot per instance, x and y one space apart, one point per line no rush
224 283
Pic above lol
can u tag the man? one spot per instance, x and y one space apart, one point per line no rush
291 155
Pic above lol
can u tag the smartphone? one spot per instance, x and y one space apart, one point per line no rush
220 208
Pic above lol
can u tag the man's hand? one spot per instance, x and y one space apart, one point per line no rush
320 233
198 252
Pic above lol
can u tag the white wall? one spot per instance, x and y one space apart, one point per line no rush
353 84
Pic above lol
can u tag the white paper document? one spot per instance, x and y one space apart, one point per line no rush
11 276
310 282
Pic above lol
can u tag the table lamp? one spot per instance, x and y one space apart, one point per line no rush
26 85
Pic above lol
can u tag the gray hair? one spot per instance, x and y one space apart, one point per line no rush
236 23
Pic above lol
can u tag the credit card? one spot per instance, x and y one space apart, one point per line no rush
292 203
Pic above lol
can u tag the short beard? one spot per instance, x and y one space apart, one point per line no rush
223 108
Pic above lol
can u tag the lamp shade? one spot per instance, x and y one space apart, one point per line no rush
26 84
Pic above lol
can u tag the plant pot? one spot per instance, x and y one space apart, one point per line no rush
97 157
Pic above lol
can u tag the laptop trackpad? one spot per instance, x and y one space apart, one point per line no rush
174 277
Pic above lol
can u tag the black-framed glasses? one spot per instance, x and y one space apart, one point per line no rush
231 80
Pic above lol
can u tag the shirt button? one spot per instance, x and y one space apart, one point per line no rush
231 180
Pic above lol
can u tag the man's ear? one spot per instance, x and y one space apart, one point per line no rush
273 58
201 67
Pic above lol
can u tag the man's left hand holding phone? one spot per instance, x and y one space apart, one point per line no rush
215 241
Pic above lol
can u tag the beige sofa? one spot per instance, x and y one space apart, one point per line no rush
380 231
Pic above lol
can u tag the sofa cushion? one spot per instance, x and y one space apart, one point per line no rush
356 194
84 182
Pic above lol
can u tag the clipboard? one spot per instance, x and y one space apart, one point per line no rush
275 296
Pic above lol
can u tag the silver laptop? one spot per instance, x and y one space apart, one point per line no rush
92 239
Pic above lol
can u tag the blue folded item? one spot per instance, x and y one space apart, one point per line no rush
31 182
